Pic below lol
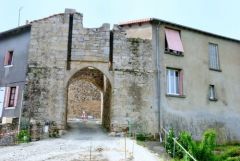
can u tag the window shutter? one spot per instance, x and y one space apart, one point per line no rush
174 40
6 100
213 56
6 58
181 82
16 96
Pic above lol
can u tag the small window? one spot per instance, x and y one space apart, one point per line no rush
11 97
213 56
8 58
173 43
212 93
175 82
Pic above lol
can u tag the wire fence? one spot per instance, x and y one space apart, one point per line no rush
175 142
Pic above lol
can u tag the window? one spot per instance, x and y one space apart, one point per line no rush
11 95
174 81
213 56
212 93
173 43
8 58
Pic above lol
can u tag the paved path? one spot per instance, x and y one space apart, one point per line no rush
83 142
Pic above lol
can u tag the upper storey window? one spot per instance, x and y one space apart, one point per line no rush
173 43
8 59
213 57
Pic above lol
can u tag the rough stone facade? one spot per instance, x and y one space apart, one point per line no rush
48 77
83 96
126 87
44 94
133 83
8 133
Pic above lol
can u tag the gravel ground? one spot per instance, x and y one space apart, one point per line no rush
83 142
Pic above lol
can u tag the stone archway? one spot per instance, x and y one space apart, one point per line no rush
89 90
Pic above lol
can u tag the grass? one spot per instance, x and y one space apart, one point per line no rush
227 152
224 153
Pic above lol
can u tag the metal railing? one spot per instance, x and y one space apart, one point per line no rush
174 145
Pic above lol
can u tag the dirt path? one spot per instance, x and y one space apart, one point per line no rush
76 145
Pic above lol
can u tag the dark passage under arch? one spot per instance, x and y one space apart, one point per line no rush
89 97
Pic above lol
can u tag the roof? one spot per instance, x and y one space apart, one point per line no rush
14 31
156 21
27 26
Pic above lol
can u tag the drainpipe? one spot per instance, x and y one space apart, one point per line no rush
158 79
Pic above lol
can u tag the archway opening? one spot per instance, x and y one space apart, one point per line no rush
89 98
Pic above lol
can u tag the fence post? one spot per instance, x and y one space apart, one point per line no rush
165 138
174 146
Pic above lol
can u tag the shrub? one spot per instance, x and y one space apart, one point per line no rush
185 139
170 143
23 136
24 124
204 150
141 137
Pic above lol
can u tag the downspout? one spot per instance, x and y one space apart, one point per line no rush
158 80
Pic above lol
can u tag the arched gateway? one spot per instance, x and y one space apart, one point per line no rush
89 96
72 69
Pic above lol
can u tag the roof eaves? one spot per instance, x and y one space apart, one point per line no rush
15 30
160 21
139 21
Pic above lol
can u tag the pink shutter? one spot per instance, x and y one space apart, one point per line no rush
7 94
16 96
174 40
181 83
6 57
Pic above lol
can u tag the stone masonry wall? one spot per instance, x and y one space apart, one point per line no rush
128 98
44 93
133 83
45 96
90 44
83 96
8 133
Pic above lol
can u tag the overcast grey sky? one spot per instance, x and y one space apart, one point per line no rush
217 16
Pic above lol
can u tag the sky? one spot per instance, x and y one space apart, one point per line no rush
221 17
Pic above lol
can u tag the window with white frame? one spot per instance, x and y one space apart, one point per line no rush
212 93
174 82
213 56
